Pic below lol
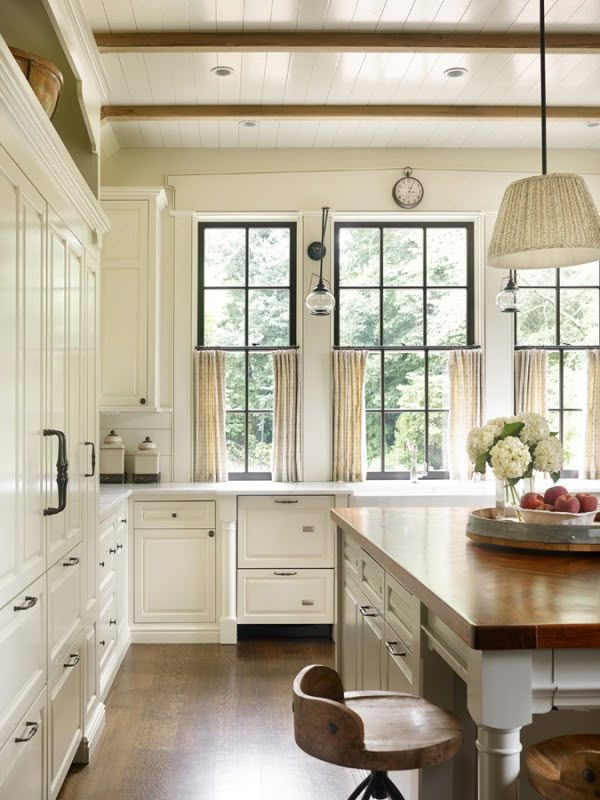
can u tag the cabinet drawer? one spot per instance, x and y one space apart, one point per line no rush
106 557
106 640
23 647
64 605
351 558
184 514
174 576
64 718
401 664
372 580
285 531
285 596
401 610
22 759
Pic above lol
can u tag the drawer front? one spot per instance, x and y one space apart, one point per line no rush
64 605
285 596
106 557
174 576
285 531
106 639
64 718
401 664
372 580
402 610
23 666
22 759
352 556
184 514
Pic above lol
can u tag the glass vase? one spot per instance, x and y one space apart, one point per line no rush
508 497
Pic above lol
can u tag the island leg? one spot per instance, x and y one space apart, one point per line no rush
498 763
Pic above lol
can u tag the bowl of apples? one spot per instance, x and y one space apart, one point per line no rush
557 506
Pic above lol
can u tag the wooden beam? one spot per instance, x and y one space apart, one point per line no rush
342 41
279 112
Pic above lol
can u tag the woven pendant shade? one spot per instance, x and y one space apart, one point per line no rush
546 221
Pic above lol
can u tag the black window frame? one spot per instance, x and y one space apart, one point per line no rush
559 348
247 225
426 349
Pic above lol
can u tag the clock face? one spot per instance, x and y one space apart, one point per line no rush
408 192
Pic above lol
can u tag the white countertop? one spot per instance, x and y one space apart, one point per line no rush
365 493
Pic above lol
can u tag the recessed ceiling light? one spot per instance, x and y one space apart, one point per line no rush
592 124
222 71
455 72
248 123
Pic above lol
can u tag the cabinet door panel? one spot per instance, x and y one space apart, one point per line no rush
64 719
370 651
90 434
23 763
64 605
350 629
174 576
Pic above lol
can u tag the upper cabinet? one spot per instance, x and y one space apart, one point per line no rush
130 281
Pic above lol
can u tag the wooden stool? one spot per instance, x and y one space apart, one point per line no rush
375 731
565 768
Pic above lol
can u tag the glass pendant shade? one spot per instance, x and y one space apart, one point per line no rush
320 302
546 221
507 300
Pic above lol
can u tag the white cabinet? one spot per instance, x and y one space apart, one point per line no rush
129 304
288 596
64 605
23 757
64 717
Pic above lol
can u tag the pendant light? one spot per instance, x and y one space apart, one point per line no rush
507 298
320 301
545 220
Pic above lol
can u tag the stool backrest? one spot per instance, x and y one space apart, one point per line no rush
324 726
580 771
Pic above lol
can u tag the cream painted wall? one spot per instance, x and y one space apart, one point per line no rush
295 184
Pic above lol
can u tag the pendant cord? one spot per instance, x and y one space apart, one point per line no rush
543 85
324 217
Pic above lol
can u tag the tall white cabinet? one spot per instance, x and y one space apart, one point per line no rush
49 249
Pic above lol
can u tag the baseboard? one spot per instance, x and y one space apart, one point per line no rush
94 731
175 637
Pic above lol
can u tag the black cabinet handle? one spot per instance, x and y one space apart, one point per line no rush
112 621
93 472
62 472
74 660
397 648
32 729
119 547
112 550
102 642
124 520
72 561
286 502
101 563
285 573
29 603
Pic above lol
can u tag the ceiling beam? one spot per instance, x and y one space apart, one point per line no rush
342 41
125 113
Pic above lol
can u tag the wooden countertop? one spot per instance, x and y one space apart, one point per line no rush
493 599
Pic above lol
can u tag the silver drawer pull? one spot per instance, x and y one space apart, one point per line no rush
368 611
308 529
286 502
32 729
308 602
285 573
397 648
74 660
72 561
29 603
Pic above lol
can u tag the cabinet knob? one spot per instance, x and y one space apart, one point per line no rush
112 550
112 621
101 563
173 515
102 642
211 534
119 547
142 401
123 520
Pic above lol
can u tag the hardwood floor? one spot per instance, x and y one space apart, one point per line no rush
204 722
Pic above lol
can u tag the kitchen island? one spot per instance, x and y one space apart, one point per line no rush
522 630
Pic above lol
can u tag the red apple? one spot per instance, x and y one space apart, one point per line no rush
587 502
532 500
567 503
553 493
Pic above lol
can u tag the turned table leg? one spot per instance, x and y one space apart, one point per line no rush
499 761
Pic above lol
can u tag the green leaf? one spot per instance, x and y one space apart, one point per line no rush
553 433
512 429
529 471
480 463
555 476
513 481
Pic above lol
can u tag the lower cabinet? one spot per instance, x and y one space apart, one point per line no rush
23 757
65 716
286 596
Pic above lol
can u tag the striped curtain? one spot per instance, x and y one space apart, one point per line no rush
286 462
466 412
210 449
349 428
531 369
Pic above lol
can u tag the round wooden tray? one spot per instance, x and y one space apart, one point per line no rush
484 527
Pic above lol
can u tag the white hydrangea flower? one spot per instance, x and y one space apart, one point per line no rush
496 424
510 458
548 455
536 428
479 441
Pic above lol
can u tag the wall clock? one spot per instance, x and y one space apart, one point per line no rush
408 191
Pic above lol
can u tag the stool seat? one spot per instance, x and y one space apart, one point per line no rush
375 731
566 767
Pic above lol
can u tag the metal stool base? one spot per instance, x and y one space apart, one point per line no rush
378 786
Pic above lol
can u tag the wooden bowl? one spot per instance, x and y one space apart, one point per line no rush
44 77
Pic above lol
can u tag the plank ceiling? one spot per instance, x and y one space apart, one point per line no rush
348 78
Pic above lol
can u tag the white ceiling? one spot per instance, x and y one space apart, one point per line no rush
332 78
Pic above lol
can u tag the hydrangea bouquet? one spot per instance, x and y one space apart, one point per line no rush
514 447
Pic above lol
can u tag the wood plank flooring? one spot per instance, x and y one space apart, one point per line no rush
205 722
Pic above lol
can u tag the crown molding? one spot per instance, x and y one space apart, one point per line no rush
35 145
153 193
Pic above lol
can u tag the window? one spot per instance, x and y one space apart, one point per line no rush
404 292
246 306
559 310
